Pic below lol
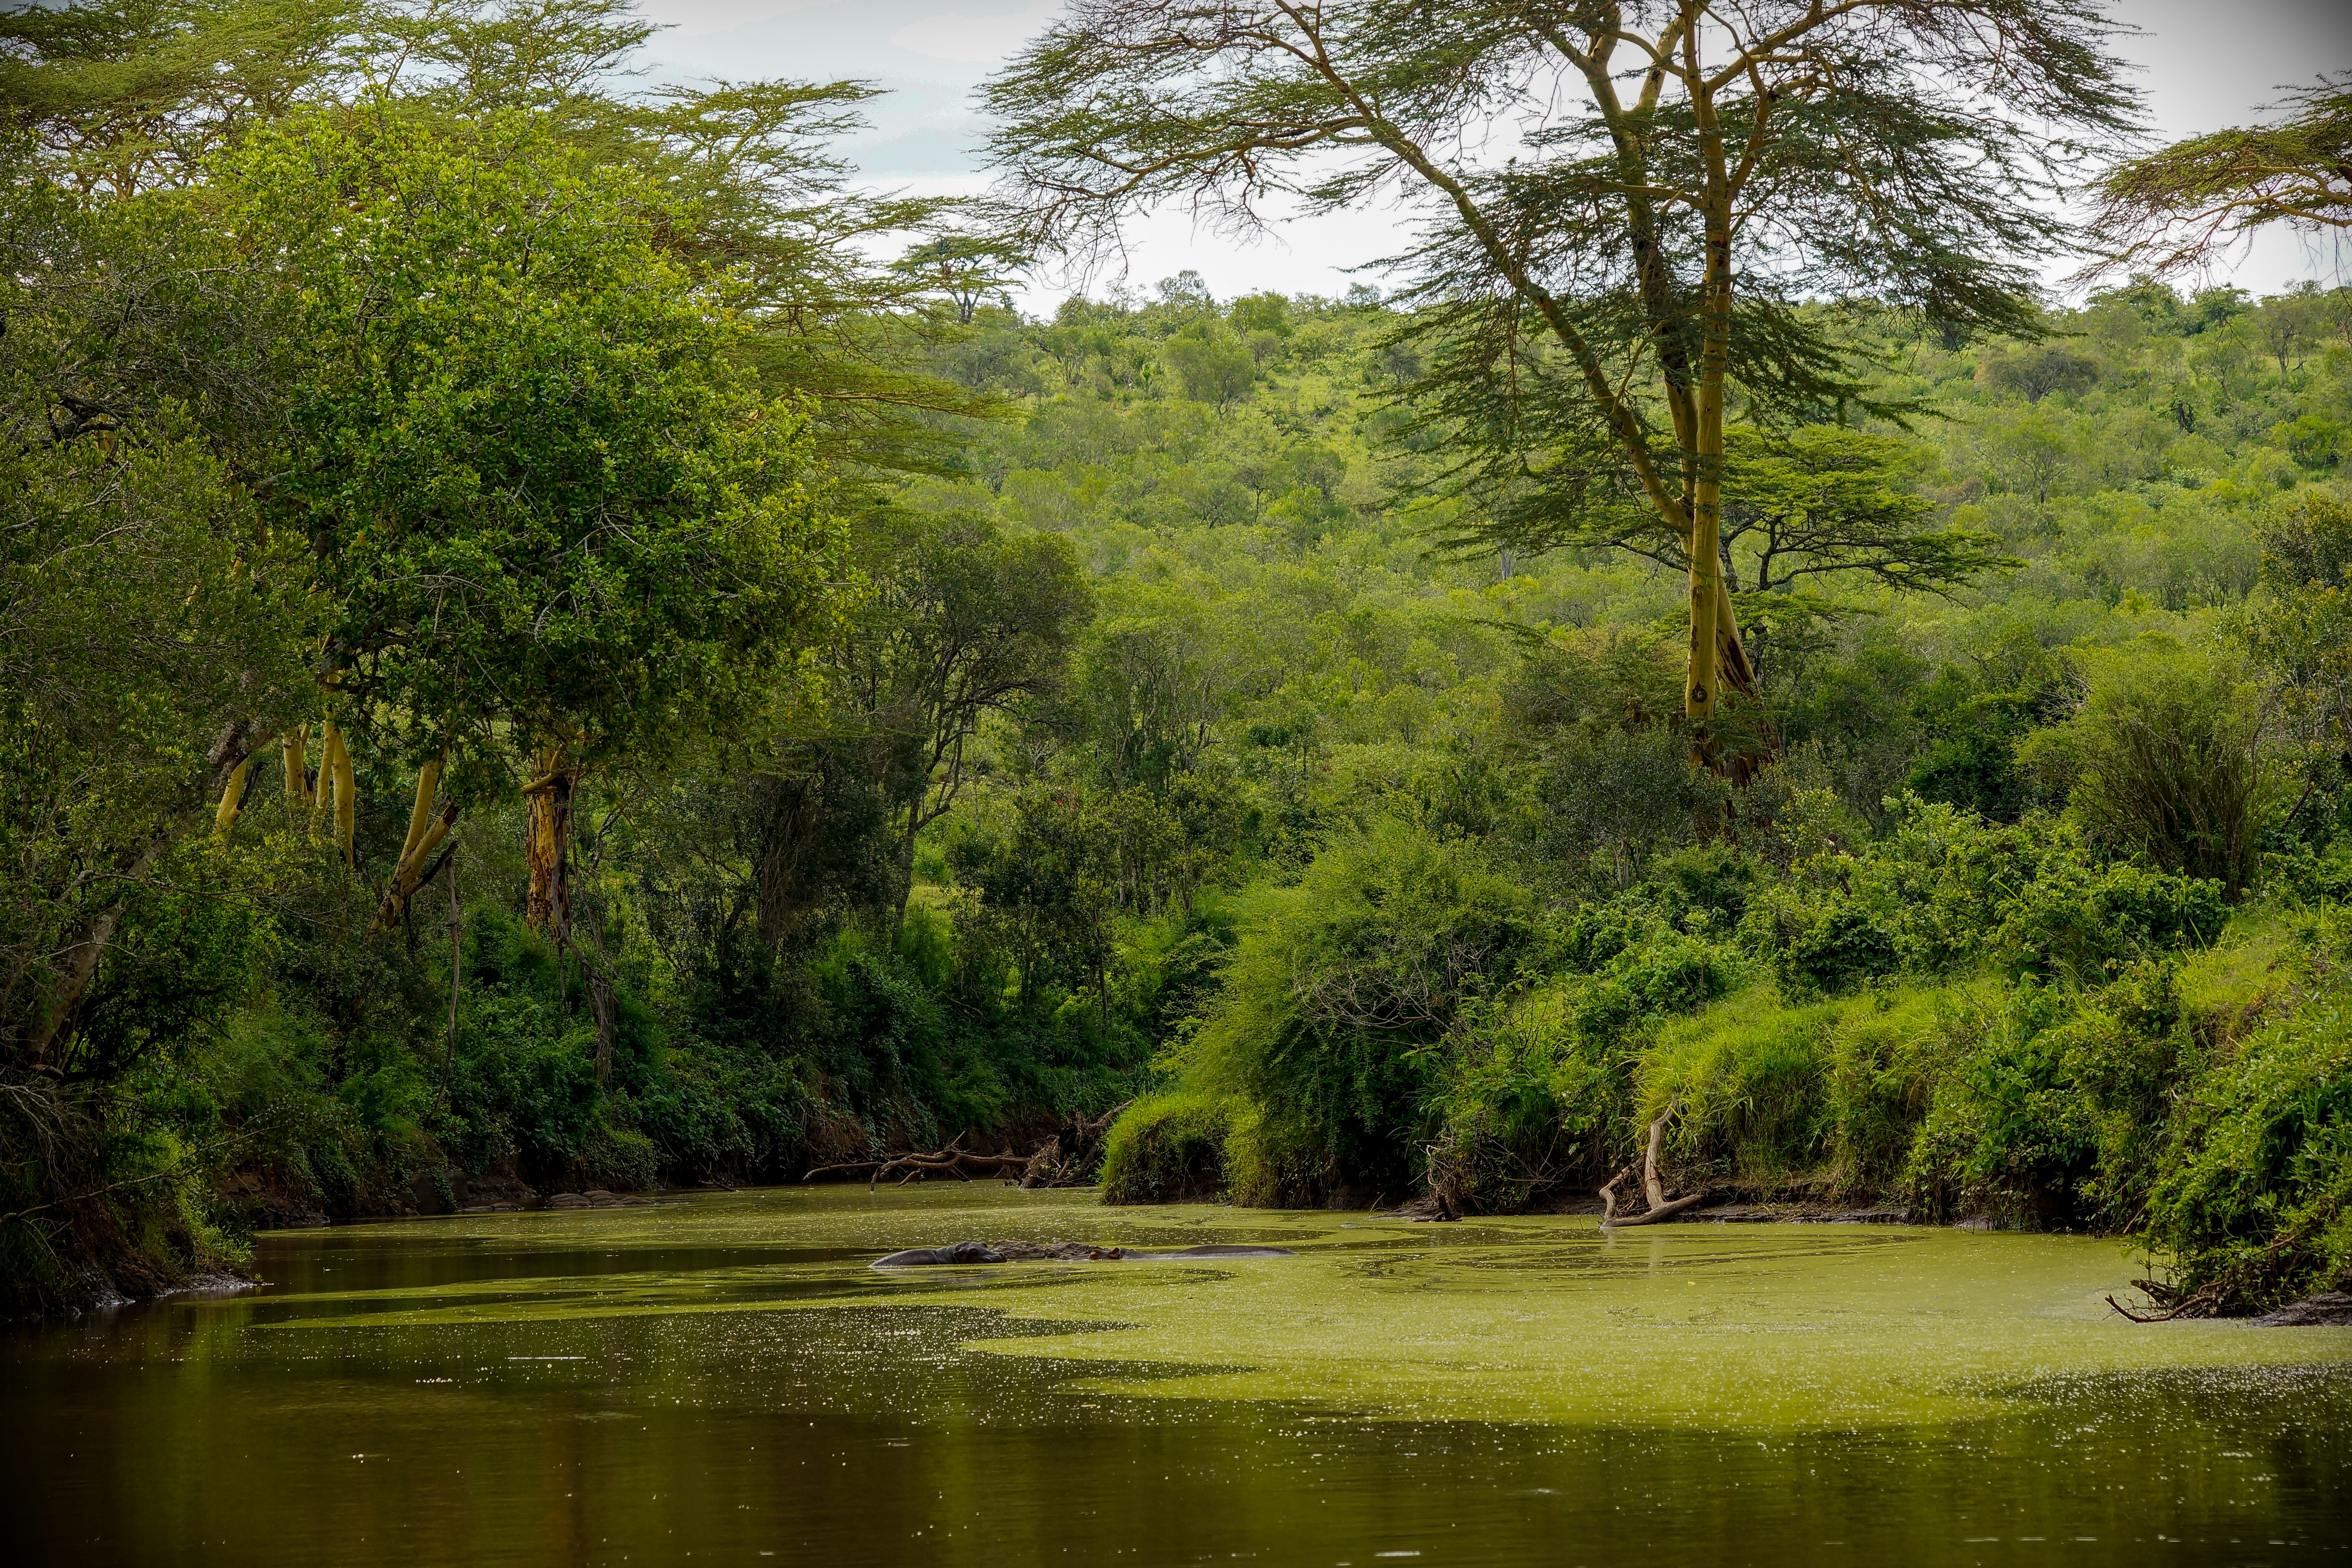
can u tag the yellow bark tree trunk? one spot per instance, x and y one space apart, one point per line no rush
232 800
337 769
426 831
293 749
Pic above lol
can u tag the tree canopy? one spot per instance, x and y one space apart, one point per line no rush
1622 205
2181 206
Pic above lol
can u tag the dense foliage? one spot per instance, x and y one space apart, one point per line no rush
779 707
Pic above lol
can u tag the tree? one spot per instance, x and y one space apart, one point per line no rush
1266 312
963 622
1824 499
2164 757
2180 207
2293 321
1817 501
2301 631
2030 454
151 642
552 528
1147 696
966 269
139 95
1214 368
131 98
1684 176
2035 372
149 625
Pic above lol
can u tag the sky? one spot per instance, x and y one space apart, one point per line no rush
2204 64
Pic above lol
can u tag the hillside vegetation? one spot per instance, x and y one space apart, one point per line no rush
533 664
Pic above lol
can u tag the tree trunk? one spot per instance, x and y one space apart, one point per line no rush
790 815
456 968
232 800
1653 1188
907 862
81 958
425 832
598 980
547 849
338 778
291 747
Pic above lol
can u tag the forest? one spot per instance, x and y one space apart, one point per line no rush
553 641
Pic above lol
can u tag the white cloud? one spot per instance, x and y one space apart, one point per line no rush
976 40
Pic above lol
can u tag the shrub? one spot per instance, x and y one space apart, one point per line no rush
2256 1206
2164 758
1169 1146
1342 997
620 1158
525 1083
1947 892
1842 947
1532 1103
1751 1080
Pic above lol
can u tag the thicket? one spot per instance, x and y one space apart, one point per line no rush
1114 722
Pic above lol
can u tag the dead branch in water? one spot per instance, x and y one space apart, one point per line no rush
1048 1165
2173 1302
1660 1208
952 1159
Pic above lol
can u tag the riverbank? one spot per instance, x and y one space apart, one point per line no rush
2015 1037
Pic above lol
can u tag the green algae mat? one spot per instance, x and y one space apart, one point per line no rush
728 1377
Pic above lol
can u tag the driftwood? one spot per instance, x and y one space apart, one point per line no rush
1062 1161
1661 1208
2173 1302
1048 1165
952 1160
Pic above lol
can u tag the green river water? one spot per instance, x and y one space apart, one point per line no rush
724 1378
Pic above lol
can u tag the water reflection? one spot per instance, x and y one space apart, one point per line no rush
727 1379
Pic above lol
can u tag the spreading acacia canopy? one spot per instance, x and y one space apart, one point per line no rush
1621 206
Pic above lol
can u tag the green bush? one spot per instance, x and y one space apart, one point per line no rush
1752 1080
2163 758
1529 1109
2255 1206
525 1084
1344 999
620 1158
1945 893
1842 947
1168 1147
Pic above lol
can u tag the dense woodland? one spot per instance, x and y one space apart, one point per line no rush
539 652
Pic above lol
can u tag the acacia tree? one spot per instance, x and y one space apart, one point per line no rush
1623 204
138 95
141 96
2181 205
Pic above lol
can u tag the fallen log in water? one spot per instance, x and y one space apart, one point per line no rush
1051 1164
1661 1208
950 1160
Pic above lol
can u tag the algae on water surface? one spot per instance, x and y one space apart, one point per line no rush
1533 1319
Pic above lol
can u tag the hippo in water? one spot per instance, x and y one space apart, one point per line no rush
959 1252
1058 1251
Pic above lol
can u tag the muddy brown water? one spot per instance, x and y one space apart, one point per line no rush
727 1380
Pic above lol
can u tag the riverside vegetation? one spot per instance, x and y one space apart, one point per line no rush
532 663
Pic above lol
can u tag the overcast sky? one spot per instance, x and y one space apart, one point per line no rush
2205 64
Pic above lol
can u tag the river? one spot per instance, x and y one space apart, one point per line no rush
725 1379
